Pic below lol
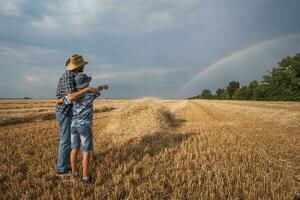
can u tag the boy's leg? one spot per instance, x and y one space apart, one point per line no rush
74 154
85 164
86 138
63 160
75 145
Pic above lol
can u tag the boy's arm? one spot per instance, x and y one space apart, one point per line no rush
97 95
99 88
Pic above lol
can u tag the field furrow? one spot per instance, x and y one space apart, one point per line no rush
172 149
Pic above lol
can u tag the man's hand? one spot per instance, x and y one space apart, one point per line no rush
58 101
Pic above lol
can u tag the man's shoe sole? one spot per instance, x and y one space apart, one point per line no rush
64 175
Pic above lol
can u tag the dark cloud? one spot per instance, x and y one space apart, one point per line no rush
140 47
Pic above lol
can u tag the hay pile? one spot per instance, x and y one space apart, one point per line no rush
141 117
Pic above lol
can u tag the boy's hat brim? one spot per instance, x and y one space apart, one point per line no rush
85 84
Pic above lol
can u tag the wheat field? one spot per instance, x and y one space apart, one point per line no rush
157 149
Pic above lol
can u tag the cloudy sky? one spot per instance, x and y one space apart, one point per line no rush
162 48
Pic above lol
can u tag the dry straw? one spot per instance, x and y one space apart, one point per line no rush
143 116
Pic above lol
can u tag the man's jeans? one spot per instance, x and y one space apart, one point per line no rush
64 149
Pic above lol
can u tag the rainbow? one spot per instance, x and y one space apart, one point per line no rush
233 55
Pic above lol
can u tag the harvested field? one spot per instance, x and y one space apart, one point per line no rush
157 149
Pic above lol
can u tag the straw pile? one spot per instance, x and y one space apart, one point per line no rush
143 116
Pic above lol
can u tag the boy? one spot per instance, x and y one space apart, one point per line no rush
81 126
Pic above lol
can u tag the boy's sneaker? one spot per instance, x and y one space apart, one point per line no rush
88 180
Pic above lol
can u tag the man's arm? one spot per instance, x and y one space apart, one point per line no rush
75 95
59 101
64 100
70 88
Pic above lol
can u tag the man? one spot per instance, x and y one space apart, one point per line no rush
67 87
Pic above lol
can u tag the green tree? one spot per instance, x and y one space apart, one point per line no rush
251 89
232 87
206 94
219 93
283 83
225 95
241 93
195 97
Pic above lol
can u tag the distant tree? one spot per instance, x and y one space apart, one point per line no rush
232 87
244 93
237 95
225 95
206 94
282 83
195 97
261 92
219 93
240 93
251 90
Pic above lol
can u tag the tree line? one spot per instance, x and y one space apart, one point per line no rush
281 84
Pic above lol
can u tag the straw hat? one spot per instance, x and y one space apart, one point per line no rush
75 61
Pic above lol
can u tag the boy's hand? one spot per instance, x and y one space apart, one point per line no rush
102 87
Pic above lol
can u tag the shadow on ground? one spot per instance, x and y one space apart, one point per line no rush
132 152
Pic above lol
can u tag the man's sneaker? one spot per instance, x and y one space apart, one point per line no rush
88 180
68 172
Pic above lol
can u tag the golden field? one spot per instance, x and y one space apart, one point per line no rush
157 149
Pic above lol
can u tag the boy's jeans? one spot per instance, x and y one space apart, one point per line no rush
64 149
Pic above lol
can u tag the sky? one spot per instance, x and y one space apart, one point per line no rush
161 48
